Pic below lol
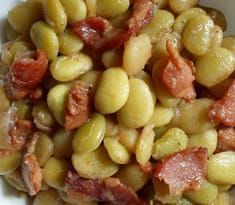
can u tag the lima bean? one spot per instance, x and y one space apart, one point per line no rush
47 197
137 51
54 14
205 195
206 139
54 172
44 37
132 176
178 6
112 91
117 152
90 135
221 168
197 34
9 162
76 10
66 68
5 102
229 43
133 114
173 140
23 15
215 66
56 100
94 165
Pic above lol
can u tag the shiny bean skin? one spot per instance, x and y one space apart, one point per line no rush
90 135
137 51
197 34
133 176
94 165
221 168
54 172
217 37
76 10
183 18
112 8
205 195
144 145
214 67
173 140
9 162
44 37
23 15
206 139
69 43
133 114
178 6
193 117
112 91
117 152
56 100
54 14
65 68
44 149
62 141
161 22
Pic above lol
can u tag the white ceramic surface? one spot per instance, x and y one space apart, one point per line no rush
9 196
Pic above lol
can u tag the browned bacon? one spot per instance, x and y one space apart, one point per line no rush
226 139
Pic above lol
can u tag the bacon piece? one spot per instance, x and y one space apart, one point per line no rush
30 168
109 190
177 75
97 32
184 170
223 110
226 140
19 133
26 74
78 107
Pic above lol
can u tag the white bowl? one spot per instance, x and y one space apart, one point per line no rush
8 196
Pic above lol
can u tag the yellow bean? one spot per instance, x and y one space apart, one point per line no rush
133 114
137 51
197 34
44 37
23 15
161 116
128 137
132 176
47 197
184 17
224 199
95 164
24 109
193 117
76 10
222 188
111 128
112 8
161 22
117 152
70 44
44 149
162 3
205 195
206 139
5 102
66 68
9 162
214 67
221 168
144 145
62 141
11 33
173 140
229 43
91 7
54 172
56 100
112 58
217 37
16 180
178 6
90 135
112 91
54 14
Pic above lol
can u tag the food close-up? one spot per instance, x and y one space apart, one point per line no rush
118 102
